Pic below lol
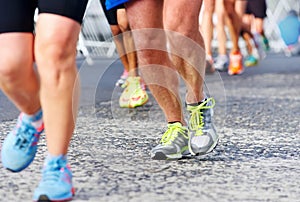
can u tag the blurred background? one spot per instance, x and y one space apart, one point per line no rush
96 39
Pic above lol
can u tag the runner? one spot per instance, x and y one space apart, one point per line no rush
235 10
206 28
48 97
160 73
258 8
134 93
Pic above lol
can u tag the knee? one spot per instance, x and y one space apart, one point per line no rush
11 70
154 39
55 58
54 49
186 26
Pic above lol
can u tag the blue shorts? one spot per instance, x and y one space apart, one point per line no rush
113 3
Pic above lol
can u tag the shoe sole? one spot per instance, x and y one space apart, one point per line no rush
162 156
44 198
138 105
235 73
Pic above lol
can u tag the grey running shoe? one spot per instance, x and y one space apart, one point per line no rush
221 63
203 136
173 144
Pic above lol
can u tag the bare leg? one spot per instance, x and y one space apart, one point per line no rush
233 22
190 45
259 22
119 41
240 7
155 66
247 35
221 35
207 24
18 80
55 57
128 42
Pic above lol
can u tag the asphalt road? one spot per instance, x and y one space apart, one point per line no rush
257 116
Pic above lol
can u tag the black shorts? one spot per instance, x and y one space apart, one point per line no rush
257 7
18 15
111 14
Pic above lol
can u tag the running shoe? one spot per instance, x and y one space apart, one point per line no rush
292 50
133 95
20 145
221 63
266 43
203 136
259 44
56 182
173 144
236 63
210 68
250 61
122 80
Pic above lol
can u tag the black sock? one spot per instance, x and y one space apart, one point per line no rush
197 103
174 122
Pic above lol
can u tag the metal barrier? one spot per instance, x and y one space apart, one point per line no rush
95 38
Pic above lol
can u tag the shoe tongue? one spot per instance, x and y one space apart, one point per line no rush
55 162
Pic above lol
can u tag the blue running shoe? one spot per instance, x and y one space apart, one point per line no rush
250 61
56 183
20 145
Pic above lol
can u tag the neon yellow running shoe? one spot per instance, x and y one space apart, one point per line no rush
133 95
203 136
173 144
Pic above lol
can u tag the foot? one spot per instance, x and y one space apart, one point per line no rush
56 183
133 95
236 64
173 144
20 145
203 136
250 61
210 68
221 63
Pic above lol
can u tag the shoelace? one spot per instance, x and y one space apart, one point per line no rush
172 132
196 115
130 83
24 136
52 171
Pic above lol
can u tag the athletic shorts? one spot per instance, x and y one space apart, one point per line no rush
113 3
257 7
111 14
18 15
